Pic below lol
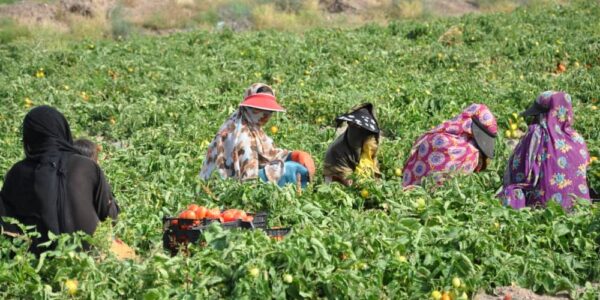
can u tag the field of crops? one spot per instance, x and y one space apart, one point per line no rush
155 103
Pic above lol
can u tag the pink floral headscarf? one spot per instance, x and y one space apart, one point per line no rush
449 147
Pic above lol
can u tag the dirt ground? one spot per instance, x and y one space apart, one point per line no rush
516 293
39 11
55 14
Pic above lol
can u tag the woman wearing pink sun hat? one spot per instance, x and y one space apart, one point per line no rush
242 150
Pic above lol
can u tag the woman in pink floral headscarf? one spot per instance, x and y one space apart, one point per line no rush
550 161
459 145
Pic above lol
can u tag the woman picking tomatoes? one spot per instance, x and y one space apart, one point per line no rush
550 161
462 144
242 150
55 188
355 150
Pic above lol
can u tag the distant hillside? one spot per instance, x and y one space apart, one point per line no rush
101 18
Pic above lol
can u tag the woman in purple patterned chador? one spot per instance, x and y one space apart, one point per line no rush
550 161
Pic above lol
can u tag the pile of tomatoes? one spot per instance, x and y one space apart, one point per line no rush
198 213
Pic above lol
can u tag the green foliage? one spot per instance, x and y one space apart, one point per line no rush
120 28
155 103
236 13
10 31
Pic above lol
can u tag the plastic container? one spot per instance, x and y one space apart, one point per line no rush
278 233
235 224
260 220
178 232
178 235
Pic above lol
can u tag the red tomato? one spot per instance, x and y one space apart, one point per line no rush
228 215
213 213
240 214
188 214
193 207
201 212
233 214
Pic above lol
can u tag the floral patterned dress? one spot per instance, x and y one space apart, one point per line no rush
448 148
550 161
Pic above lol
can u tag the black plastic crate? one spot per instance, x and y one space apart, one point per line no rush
237 224
178 232
181 224
174 239
260 220
206 222
246 225
278 233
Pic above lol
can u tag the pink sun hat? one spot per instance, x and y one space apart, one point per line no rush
261 96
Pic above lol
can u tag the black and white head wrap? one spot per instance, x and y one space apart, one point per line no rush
363 117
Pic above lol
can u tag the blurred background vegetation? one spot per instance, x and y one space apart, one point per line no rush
119 19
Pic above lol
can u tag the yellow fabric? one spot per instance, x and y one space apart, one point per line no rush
367 165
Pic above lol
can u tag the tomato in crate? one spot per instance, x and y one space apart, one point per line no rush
178 233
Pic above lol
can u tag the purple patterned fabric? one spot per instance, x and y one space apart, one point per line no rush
550 161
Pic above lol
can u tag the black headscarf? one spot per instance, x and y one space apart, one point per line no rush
362 116
48 143
362 124
343 155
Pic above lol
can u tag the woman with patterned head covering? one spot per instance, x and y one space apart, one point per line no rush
460 145
355 150
242 150
550 161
